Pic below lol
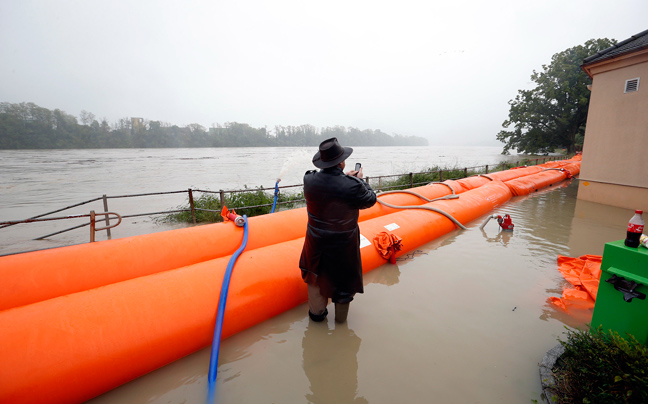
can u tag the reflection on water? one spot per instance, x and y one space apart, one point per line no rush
593 225
331 363
501 237
389 275
463 319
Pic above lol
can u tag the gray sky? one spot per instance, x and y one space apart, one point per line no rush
441 70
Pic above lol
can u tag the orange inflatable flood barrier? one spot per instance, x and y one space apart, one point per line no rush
535 182
74 347
40 275
162 304
32 277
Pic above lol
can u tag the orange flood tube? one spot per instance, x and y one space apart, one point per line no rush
535 182
40 275
72 348
515 173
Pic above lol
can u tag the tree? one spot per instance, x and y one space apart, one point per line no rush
86 117
554 113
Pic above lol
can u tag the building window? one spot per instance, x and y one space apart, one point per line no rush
632 85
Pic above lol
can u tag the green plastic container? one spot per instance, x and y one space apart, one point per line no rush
619 306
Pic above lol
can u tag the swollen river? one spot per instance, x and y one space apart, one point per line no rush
463 319
34 182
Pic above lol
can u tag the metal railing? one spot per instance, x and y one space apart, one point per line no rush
92 223
384 182
190 196
390 182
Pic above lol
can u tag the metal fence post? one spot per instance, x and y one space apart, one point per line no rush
105 203
191 205
92 226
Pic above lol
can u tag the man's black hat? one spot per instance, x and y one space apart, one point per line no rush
331 153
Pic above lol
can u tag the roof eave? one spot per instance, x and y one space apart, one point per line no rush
613 47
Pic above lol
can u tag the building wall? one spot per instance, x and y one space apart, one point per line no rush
614 169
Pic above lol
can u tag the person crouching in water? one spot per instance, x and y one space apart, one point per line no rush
330 261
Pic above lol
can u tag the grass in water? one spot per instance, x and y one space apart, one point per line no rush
208 207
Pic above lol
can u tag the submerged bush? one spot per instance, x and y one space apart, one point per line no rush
245 203
601 368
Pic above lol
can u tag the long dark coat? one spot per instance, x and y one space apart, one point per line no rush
331 254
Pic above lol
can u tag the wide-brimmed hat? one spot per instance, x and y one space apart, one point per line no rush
331 153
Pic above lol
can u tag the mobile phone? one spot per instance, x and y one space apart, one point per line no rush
357 167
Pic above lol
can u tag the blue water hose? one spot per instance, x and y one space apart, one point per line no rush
213 361
274 204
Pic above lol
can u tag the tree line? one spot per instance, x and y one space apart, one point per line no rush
28 126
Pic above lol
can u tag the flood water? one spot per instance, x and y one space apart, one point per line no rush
34 182
463 319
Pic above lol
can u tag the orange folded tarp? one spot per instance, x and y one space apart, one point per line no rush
583 273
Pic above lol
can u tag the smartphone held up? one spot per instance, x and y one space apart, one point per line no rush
357 170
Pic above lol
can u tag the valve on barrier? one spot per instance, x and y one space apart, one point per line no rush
232 216
504 221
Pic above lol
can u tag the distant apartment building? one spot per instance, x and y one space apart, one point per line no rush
137 124
614 169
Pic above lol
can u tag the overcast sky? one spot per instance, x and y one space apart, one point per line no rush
441 70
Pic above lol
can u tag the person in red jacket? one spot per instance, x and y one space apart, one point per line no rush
330 261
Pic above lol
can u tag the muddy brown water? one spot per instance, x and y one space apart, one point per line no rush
34 182
463 319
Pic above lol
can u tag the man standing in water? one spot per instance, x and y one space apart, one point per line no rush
330 260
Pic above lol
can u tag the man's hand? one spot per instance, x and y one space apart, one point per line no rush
354 173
